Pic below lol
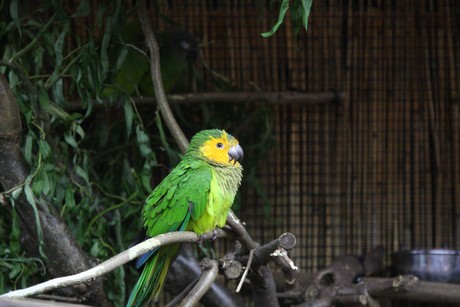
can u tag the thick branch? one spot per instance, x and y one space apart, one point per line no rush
409 287
160 95
106 266
240 231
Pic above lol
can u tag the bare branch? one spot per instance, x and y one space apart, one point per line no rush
237 97
160 94
240 232
106 266
208 276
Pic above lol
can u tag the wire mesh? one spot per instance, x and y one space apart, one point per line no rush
379 167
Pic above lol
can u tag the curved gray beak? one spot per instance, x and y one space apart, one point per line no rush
235 153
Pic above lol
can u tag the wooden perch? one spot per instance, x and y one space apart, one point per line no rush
409 287
106 266
237 97
270 97
209 272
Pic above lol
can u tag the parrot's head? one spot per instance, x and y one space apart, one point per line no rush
216 147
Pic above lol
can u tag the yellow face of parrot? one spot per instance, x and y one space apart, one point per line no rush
223 150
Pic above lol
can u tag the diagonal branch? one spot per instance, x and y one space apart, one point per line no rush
106 266
155 71
208 276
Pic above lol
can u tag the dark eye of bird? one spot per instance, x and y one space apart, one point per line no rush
220 145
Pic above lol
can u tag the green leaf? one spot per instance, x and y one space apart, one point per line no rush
146 177
82 173
14 12
16 192
31 200
102 8
70 139
58 92
95 249
121 57
69 197
58 47
283 9
44 148
143 141
299 14
129 116
79 130
15 233
57 111
83 9
105 45
43 98
28 149
15 271
38 183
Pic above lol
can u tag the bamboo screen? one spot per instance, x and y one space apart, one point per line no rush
379 167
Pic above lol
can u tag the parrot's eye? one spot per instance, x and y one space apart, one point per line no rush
220 145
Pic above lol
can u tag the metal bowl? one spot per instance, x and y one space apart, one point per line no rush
441 265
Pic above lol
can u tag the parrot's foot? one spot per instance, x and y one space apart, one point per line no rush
214 234
206 236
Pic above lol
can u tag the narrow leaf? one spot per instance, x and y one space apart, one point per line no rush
70 139
28 149
31 200
283 10
82 173
83 9
15 233
14 12
129 116
69 197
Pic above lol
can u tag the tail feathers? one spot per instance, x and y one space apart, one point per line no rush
150 283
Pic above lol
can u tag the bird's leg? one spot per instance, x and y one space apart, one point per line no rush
205 236
214 234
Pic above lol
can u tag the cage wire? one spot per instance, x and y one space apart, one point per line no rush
379 166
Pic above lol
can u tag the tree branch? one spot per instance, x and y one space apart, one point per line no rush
106 266
237 97
210 269
155 71
184 273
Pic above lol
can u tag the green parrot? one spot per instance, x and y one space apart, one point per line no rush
196 196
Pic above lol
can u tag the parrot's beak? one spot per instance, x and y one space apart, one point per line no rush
235 153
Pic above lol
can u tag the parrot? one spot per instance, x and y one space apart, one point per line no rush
196 196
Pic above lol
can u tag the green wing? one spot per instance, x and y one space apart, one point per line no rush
182 194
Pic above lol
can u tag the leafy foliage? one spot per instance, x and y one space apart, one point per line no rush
93 153
82 161
299 16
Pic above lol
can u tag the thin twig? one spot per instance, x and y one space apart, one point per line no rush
248 266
